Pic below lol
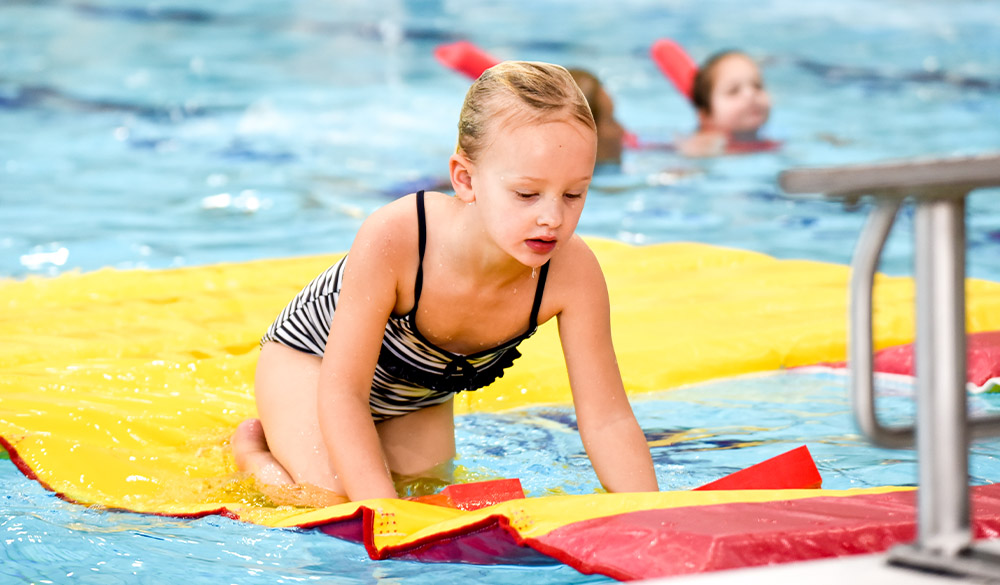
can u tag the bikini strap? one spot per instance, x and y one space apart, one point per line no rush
422 230
533 320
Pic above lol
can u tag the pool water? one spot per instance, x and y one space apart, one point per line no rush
739 422
181 133
47 540
167 134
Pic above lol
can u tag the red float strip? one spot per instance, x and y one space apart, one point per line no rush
982 358
661 543
679 541
668 542
494 541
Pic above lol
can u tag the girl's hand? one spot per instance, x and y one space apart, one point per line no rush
302 495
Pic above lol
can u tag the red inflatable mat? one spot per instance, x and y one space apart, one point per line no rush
495 539
679 541
982 360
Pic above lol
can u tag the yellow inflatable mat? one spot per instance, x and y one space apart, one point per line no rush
121 388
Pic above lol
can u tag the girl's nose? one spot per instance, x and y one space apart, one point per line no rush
550 212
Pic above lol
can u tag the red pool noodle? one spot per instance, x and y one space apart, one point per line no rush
469 60
465 57
673 61
675 64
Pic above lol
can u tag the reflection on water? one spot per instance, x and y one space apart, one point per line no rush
155 136
736 423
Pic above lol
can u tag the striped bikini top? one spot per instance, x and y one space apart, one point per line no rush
407 355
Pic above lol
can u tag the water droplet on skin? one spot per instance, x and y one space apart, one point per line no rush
534 271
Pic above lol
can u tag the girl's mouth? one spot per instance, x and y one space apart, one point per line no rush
541 246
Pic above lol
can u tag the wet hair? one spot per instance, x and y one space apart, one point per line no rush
704 80
590 86
532 91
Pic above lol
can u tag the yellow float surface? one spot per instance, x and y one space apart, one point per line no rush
121 388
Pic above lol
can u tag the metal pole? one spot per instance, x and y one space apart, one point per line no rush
943 523
860 344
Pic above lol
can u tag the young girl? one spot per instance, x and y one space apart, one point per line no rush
356 377
732 104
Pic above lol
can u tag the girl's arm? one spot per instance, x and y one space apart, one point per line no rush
611 436
378 257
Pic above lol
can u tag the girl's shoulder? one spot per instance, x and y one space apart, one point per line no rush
576 253
575 266
402 213
394 228
398 217
576 283
389 230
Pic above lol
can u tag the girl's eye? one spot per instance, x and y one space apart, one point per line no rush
525 195
572 195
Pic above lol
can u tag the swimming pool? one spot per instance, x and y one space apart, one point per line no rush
171 135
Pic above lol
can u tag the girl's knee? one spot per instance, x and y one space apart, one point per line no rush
248 438
253 456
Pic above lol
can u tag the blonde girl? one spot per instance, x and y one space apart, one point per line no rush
356 378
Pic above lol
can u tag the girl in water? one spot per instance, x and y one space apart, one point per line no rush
611 135
732 104
357 376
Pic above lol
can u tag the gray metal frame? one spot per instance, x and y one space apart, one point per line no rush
938 188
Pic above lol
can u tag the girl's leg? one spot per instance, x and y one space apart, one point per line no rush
293 453
419 442
253 456
286 446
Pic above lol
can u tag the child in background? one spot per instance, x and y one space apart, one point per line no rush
732 104
356 378
610 132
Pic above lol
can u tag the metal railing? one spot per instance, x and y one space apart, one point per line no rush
938 189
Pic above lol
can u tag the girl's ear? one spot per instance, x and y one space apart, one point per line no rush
460 170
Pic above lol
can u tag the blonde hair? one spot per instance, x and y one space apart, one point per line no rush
534 90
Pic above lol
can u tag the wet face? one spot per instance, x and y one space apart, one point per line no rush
609 132
739 102
530 185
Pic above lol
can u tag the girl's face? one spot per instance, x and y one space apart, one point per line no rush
739 102
530 185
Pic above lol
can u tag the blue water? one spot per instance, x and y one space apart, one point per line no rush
739 422
47 540
700 433
181 133
168 134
